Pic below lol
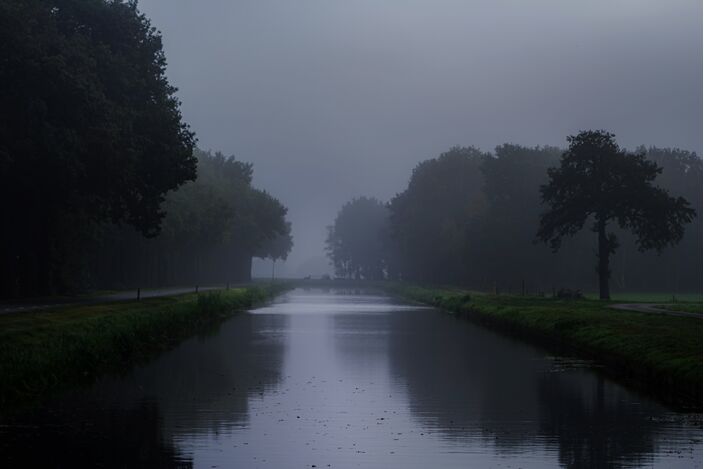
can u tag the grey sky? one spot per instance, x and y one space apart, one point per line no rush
338 98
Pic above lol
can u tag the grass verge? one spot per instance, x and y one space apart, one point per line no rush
42 352
660 355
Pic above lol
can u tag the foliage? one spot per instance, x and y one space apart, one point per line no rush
501 236
90 131
213 227
429 220
356 242
599 181
469 218
276 247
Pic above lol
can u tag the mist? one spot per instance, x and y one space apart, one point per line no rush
333 100
399 234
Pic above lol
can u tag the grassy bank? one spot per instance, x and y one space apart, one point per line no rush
658 354
43 352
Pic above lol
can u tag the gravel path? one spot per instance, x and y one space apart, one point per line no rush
109 298
652 309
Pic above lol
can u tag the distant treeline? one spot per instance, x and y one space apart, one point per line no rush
470 218
212 228
93 148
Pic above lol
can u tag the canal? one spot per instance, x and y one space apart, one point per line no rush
340 378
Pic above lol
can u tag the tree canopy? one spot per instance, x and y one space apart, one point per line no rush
470 218
212 229
356 242
599 181
429 220
90 131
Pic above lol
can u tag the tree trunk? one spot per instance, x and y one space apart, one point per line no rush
603 268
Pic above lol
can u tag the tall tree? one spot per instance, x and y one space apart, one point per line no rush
429 220
356 241
213 227
276 248
501 241
90 131
599 181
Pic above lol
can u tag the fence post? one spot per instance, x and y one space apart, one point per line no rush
139 293
196 288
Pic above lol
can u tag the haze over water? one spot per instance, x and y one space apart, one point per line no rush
335 378
335 99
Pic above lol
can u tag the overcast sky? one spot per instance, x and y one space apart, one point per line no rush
332 99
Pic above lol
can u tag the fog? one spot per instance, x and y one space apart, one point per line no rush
333 99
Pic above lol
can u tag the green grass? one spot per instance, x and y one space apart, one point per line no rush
42 352
661 354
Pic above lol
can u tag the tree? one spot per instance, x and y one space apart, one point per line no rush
90 132
356 241
501 240
276 247
212 228
600 182
222 220
429 220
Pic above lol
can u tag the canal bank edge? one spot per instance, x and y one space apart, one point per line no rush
45 352
660 356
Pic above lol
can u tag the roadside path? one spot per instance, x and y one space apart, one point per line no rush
125 295
652 309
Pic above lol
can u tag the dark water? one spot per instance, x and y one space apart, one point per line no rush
338 379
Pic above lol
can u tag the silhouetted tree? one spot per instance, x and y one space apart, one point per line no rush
213 227
276 248
501 238
90 131
599 181
468 217
429 220
356 241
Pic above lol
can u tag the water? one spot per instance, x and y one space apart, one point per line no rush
350 379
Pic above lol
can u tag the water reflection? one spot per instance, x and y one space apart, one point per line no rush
77 435
353 379
204 386
469 383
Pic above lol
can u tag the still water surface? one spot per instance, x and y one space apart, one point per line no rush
351 379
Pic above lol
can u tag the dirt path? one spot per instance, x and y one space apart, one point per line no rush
652 309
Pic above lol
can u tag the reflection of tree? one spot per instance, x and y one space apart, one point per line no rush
466 381
86 437
361 340
453 371
594 422
204 385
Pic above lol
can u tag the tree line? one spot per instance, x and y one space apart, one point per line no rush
473 218
212 228
100 179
